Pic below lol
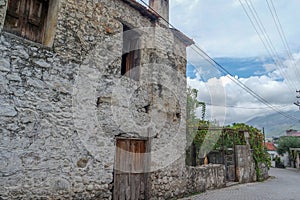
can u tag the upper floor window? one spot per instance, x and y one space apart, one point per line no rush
31 19
131 56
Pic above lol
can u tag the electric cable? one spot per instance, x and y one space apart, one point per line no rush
239 107
280 30
215 64
243 86
269 45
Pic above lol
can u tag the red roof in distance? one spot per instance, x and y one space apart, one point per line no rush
270 146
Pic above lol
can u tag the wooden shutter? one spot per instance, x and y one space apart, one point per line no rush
131 54
35 24
27 18
133 59
14 16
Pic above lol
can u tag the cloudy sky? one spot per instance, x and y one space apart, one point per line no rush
223 30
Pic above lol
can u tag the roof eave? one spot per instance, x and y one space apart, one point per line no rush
182 37
142 9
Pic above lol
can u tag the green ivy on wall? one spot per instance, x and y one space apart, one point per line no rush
209 137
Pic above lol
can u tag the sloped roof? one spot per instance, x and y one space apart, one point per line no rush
182 37
270 146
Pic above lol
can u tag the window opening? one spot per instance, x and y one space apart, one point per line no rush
131 53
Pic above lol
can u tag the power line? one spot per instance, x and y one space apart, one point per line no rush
242 85
279 28
239 107
281 33
278 60
267 42
292 126
218 66
297 103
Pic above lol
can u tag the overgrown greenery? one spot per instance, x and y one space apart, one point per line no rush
284 145
204 136
287 142
192 124
256 142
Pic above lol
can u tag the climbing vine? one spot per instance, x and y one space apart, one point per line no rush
212 138
256 142
204 136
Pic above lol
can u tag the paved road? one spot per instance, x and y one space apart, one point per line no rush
283 185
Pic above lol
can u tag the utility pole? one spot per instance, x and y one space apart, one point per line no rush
297 103
264 136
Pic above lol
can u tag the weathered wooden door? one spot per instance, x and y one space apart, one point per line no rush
130 173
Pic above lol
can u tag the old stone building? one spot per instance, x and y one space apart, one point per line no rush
92 100
93 103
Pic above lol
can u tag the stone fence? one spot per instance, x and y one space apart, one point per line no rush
202 178
186 180
245 166
179 180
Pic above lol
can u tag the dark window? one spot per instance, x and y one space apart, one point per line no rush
131 53
27 18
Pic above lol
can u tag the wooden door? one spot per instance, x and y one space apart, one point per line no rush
130 173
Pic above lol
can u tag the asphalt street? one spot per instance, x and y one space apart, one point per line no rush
284 184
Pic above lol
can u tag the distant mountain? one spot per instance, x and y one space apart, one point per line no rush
276 124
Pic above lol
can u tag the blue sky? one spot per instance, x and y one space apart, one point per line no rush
222 29
241 67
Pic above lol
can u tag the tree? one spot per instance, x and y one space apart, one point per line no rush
193 104
287 142
193 123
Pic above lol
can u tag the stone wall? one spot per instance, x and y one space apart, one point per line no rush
173 183
264 171
169 182
245 166
41 152
3 5
62 107
205 177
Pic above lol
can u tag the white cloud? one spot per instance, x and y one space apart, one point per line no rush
269 67
222 92
223 29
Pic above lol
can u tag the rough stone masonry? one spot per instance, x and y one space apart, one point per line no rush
64 103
